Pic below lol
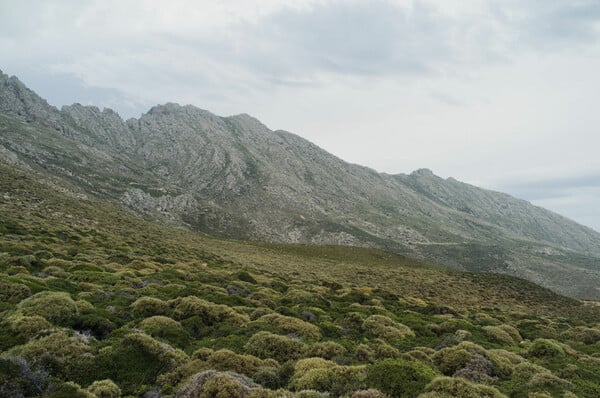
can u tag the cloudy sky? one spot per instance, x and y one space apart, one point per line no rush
502 94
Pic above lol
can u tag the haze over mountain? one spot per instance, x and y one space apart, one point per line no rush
233 177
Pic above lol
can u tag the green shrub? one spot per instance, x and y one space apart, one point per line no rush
528 376
417 355
370 393
303 297
583 334
281 348
545 348
399 378
364 353
55 271
229 360
223 386
246 277
149 306
169 380
382 350
13 292
463 335
84 306
28 326
499 334
326 349
384 327
326 376
213 384
165 328
449 360
104 389
503 362
479 369
310 394
59 345
203 353
446 387
310 374
546 380
56 307
69 390
288 324
267 377
136 360
539 395
210 313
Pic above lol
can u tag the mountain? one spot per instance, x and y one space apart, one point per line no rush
233 177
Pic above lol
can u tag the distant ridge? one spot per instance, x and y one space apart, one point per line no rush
233 177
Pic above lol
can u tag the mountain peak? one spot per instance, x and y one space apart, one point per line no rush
17 100
423 172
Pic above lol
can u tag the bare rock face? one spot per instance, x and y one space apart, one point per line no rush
166 205
233 176
22 103
104 128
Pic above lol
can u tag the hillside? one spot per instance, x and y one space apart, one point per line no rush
233 177
99 303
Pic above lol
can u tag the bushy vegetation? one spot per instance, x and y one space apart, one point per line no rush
96 303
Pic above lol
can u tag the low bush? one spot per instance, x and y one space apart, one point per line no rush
446 387
503 362
370 393
28 326
451 359
57 307
69 390
382 350
136 360
288 324
326 349
384 327
210 313
13 292
149 306
399 378
165 328
583 334
267 377
499 334
281 348
104 389
326 376
545 348
213 384
239 363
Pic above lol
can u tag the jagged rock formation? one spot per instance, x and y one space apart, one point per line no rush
234 177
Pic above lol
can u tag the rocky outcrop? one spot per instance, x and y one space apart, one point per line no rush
22 103
104 128
167 205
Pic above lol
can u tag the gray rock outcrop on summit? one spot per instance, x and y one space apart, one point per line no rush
234 177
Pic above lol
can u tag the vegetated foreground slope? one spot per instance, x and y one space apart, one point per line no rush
96 302
233 177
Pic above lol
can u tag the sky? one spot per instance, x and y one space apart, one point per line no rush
501 94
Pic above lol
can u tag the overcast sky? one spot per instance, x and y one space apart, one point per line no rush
502 94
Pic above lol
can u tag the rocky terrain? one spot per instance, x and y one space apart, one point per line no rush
234 177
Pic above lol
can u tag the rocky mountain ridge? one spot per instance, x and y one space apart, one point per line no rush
234 177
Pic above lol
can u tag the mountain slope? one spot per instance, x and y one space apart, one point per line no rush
232 176
120 306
